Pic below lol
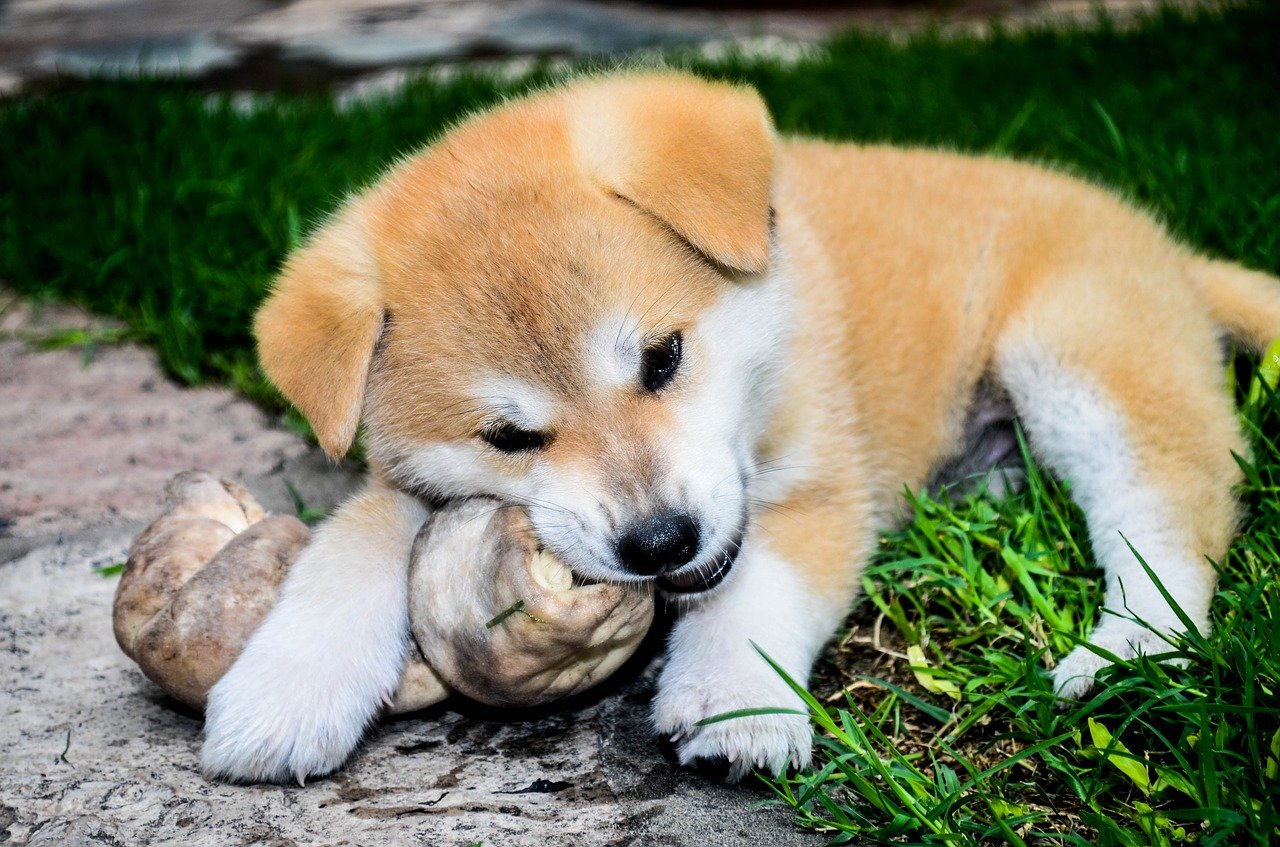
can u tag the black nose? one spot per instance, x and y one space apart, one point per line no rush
660 543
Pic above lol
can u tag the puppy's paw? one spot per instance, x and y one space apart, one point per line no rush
732 748
1076 674
278 722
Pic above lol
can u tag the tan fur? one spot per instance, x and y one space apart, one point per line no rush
317 330
927 256
1242 301
633 134
497 249
908 266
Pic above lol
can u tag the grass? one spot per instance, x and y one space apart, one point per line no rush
960 740
170 209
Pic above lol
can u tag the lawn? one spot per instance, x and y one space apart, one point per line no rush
169 209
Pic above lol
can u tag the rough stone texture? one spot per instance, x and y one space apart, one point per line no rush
92 753
89 436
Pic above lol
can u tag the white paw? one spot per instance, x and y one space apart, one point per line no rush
769 743
281 721
1076 674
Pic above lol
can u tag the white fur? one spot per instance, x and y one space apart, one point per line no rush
571 515
712 668
516 401
613 350
1083 437
737 346
327 656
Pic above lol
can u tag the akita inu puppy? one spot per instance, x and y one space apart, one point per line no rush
710 358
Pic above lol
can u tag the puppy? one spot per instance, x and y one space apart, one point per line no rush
710 358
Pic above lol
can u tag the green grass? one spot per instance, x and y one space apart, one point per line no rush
169 209
965 743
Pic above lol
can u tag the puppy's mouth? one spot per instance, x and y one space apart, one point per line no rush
705 576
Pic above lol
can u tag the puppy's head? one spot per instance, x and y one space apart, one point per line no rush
563 303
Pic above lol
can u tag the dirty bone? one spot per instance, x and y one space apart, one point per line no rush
492 616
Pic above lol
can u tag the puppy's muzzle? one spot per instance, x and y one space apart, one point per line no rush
663 545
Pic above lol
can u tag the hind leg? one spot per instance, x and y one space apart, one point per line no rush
1145 444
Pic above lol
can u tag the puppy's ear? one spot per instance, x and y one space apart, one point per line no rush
698 155
317 330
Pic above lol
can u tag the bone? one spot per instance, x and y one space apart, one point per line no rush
202 577
198 582
504 622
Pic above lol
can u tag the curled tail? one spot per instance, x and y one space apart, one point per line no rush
1246 303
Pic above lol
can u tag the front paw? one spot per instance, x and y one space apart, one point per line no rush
273 722
1076 675
736 746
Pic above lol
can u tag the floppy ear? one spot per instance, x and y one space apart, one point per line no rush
697 154
317 329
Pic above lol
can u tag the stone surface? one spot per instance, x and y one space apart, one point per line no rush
89 434
93 753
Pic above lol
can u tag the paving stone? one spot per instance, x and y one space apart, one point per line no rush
89 435
179 55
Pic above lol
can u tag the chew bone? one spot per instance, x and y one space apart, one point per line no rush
201 578
503 621
198 581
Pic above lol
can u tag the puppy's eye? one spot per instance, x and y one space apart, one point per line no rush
510 438
660 361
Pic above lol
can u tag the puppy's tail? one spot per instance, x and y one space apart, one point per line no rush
1246 303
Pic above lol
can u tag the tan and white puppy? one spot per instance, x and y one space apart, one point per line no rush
708 357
